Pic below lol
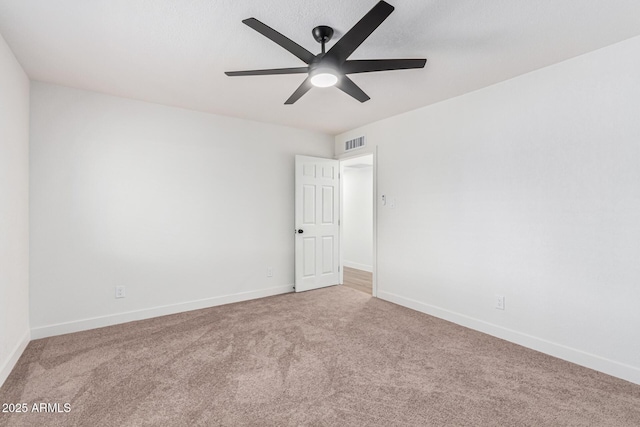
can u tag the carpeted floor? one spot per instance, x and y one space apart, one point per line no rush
333 356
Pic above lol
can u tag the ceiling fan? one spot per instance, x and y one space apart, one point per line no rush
331 68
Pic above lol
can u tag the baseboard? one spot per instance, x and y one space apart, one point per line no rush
115 319
363 267
8 366
588 360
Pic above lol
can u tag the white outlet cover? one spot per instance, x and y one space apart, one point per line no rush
500 302
120 292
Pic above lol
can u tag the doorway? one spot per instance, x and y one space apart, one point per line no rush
357 223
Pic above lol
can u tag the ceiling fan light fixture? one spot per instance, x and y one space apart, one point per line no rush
332 68
324 77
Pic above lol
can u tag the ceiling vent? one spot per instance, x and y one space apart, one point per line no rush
354 143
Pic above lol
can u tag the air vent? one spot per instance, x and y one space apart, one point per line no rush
354 143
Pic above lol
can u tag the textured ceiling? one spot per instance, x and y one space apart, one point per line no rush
174 52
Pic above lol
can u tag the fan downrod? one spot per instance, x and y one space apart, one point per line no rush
322 34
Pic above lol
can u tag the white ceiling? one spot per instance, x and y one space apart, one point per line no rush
174 52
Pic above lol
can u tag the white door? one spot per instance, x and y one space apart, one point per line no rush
316 223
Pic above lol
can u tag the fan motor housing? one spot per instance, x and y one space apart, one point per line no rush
322 33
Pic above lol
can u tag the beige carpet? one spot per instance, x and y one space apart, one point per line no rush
334 356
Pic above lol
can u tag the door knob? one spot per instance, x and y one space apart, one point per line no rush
300 231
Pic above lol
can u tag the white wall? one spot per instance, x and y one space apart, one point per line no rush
357 218
529 189
14 210
184 209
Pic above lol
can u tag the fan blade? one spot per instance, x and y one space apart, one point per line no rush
297 70
302 89
371 65
278 38
347 85
359 32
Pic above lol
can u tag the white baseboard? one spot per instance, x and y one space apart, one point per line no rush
363 267
114 319
592 361
8 366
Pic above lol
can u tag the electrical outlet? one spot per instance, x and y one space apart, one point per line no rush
500 302
119 291
269 271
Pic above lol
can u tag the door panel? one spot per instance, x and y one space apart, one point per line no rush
327 205
309 205
309 253
317 246
327 254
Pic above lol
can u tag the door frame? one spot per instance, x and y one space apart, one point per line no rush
374 258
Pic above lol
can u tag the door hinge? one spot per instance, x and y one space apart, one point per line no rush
338 223
338 269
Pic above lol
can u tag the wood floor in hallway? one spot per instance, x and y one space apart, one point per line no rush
358 279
